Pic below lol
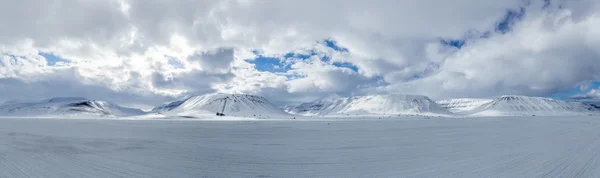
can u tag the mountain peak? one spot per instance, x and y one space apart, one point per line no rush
388 104
66 99
232 104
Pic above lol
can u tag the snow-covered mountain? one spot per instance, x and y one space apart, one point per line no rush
65 106
321 106
460 105
372 104
236 105
512 105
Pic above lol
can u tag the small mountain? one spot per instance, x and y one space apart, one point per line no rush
235 105
372 104
461 105
514 105
65 106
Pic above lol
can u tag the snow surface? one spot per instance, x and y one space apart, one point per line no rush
210 104
398 147
513 105
65 106
369 105
460 105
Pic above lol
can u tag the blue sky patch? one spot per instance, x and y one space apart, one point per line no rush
509 20
576 91
51 59
566 94
454 43
272 64
503 26
333 45
174 62
269 64
300 56
346 65
278 65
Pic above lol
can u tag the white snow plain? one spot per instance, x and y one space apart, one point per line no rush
388 147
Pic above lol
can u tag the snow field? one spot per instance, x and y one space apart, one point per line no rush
397 147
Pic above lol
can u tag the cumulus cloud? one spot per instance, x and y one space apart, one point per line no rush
546 52
130 49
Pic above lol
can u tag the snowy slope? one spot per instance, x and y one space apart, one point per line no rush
372 104
320 106
460 105
65 106
512 105
237 105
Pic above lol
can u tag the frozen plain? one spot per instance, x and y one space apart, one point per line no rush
390 147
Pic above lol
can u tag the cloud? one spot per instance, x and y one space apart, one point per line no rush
65 83
131 49
544 53
218 61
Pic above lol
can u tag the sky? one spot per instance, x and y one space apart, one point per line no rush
142 53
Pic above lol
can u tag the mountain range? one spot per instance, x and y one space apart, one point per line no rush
243 105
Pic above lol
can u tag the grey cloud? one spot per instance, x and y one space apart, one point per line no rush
217 61
47 21
15 89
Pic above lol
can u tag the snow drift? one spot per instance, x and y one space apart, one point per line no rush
372 104
512 105
65 106
235 105
460 105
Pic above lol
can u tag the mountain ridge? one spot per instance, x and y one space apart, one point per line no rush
66 106
237 105
517 105
390 104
